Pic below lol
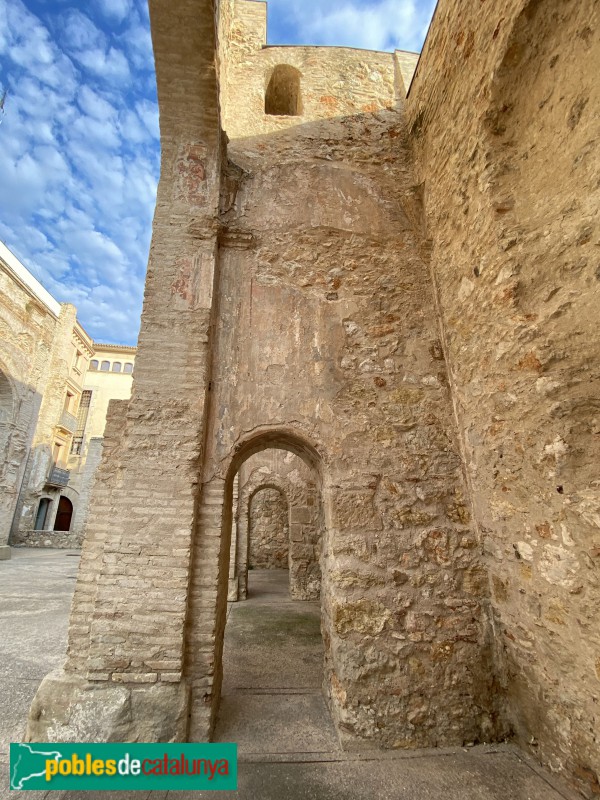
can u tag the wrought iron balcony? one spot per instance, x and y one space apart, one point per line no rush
59 476
68 422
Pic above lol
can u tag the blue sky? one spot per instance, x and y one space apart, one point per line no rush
79 146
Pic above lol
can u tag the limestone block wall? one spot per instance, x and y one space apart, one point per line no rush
268 530
503 114
42 454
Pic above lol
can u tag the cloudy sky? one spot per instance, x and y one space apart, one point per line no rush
79 147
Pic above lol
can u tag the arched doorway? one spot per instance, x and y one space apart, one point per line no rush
64 515
287 474
213 541
273 657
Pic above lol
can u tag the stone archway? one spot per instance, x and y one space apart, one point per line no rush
204 668
305 532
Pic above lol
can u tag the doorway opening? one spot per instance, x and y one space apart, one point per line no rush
277 523
64 515
273 653
42 513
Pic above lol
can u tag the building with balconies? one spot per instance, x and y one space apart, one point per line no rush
51 416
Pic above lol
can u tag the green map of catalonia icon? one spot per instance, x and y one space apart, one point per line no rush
28 763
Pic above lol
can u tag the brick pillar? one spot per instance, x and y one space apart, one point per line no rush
123 677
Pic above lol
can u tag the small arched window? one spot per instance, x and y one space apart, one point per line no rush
128 368
283 96
116 366
93 365
105 366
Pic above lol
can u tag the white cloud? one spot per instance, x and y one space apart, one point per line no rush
114 9
376 25
90 47
109 64
79 159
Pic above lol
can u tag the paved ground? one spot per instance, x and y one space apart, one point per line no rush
272 704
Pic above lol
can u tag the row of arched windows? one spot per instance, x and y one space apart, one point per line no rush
105 366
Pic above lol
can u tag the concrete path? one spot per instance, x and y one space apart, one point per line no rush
272 704
36 588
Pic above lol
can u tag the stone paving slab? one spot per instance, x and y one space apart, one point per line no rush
298 723
280 641
463 776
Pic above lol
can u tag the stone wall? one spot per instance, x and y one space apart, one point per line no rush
323 221
402 295
268 530
61 376
289 300
123 677
504 124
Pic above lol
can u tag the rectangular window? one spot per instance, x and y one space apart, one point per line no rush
57 452
82 417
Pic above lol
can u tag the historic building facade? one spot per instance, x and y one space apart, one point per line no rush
44 353
400 290
55 387
109 377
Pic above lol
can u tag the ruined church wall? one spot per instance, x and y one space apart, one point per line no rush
327 332
334 81
504 124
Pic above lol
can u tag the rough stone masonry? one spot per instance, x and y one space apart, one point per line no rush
402 291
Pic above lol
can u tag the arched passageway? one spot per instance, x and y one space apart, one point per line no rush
270 656
268 529
292 541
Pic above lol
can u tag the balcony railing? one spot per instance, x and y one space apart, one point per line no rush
58 476
68 422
